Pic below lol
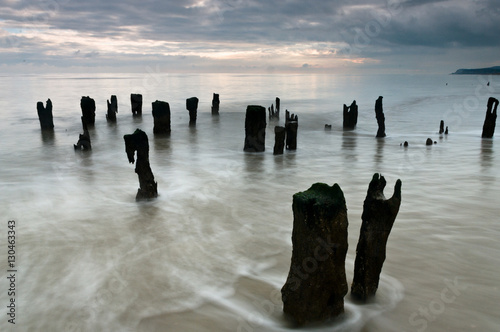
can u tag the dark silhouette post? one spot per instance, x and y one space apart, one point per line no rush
45 115
215 104
441 127
350 116
138 141
279 139
378 217
161 115
274 114
255 129
379 114
192 107
136 101
88 110
84 139
490 119
291 126
112 109
316 284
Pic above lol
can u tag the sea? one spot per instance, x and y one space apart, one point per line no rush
213 250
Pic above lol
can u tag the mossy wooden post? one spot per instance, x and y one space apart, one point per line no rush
490 119
379 114
215 104
112 109
161 115
350 116
316 284
83 139
291 126
378 217
192 107
255 129
45 115
279 139
136 101
138 141
88 110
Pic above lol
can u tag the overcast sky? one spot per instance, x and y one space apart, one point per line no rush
249 35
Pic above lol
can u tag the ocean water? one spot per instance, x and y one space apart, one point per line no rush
212 252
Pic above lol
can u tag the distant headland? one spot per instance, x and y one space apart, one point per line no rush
480 71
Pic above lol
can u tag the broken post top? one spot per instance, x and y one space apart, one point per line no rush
376 193
320 195
136 141
192 104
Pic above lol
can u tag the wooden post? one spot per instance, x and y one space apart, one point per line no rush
161 115
490 119
45 115
112 109
88 110
255 129
136 101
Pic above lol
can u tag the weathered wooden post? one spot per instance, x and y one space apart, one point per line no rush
215 104
274 114
136 101
192 107
378 217
316 284
255 129
490 119
291 126
379 114
112 109
138 141
279 139
88 110
350 116
83 139
441 127
45 115
161 115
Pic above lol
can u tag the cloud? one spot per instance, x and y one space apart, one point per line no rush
245 33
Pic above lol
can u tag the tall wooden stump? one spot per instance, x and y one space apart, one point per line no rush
441 127
279 139
138 141
136 101
83 139
350 116
112 109
45 115
490 119
379 114
291 126
278 102
215 104
378 217
88 110
192 107
161 115
255 129
274 114
316 283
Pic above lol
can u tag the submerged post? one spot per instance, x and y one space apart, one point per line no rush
379 114
136 101
279 139
88 110
215 104
490 119
192 107
291 126
255 129
350 116
138 141
45 115
112 109
161 115
378 217
316 284
83 139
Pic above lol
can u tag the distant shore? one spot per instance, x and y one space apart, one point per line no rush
479 71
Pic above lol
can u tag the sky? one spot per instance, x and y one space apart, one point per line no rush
261 36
